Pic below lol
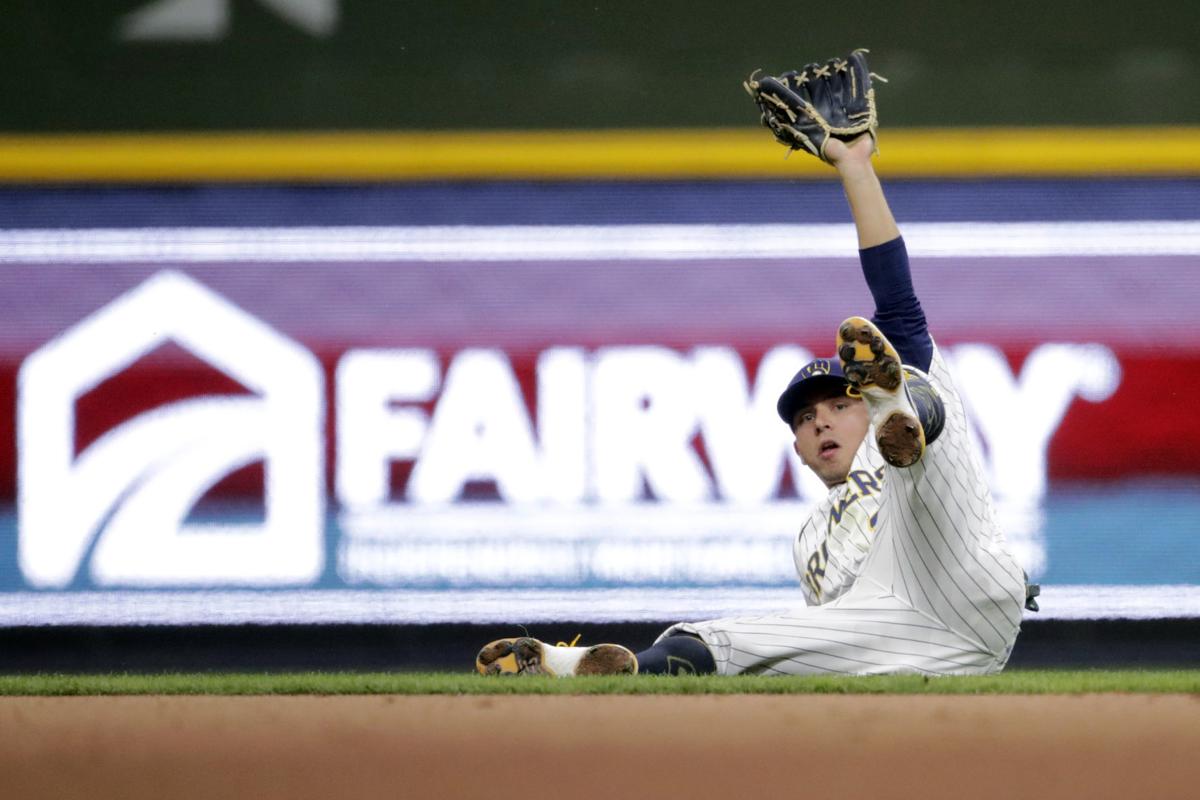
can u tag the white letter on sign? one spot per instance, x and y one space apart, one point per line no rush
371 431
643 424
562 422
1018 417
480 431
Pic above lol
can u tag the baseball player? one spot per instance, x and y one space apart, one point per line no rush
902 565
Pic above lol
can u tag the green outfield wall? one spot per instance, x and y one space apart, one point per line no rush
369 65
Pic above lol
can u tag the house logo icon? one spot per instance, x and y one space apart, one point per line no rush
125 498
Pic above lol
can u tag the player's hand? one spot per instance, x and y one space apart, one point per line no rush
806 108
846 154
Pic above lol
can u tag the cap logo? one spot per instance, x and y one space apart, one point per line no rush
818 367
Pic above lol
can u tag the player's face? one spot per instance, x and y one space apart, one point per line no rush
828 434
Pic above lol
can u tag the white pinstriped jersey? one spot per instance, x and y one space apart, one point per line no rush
835 539
947 555
910 572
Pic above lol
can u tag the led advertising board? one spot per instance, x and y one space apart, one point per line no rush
514 422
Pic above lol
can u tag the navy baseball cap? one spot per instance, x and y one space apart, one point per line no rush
821 374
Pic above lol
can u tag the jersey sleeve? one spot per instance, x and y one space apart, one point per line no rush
898 313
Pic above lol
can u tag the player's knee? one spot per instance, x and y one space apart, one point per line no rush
928 404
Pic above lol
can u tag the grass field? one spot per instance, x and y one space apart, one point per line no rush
342 683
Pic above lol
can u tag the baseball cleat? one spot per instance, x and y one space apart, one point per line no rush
873 369
528 656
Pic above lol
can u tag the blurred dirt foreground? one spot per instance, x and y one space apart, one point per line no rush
1093 746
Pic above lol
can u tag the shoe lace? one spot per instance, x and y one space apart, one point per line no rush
578 636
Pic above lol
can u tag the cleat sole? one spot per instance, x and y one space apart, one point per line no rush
867 359
607 659
870 362
530 658
900 440
522 656
497 658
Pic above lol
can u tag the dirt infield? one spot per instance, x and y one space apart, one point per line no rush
1093 746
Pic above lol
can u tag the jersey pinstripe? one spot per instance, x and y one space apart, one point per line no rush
834 541
904 573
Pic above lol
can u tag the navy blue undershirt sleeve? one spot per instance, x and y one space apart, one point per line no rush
897 311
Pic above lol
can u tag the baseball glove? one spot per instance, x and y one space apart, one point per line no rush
803 109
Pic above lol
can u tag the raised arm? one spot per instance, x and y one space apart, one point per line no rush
872 216
882 253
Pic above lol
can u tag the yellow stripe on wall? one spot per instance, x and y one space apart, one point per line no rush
571 155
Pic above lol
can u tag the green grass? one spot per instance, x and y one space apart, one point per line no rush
427 683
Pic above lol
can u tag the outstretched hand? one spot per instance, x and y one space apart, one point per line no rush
846 154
